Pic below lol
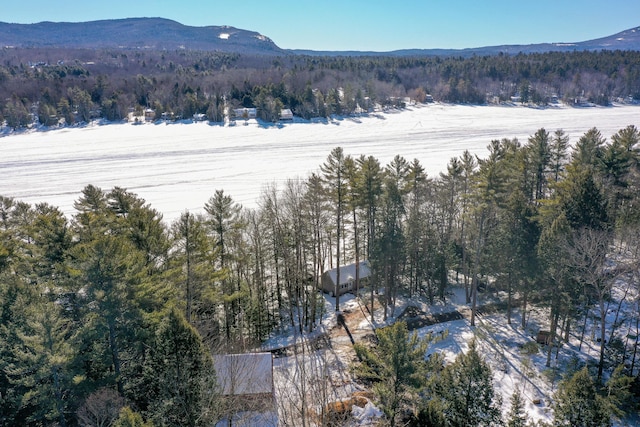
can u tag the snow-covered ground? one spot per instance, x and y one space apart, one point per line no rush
179 166
516 361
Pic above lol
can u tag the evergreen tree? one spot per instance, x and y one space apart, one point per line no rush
15 297
619 162
463 392
468 164
369 188
489 189
588 150
389 245
416 229
179 378
140 224
559 153
114 283
224 219
192 267
397 366
539 153
517 416
42 365
581 199
317 215
336 182
577 403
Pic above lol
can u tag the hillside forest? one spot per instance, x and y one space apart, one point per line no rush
114 308
55 87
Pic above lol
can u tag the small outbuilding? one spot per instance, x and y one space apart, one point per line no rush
286 115
543 337
248 393
347 278
149 115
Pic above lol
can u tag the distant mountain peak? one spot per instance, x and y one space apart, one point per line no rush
136 33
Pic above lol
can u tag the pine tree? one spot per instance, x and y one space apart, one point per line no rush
397 365
539 154
463 392
114 281
141 224
558 151
369 187
388 255
335 179
193 267
415 226
179 379
588 149
42 364
223 219
489 188
577 403
517 416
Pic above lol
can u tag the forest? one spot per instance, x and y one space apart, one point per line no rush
114 308
62 87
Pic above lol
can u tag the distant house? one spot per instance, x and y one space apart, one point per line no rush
286 114
248 393
167 115
245 113
347 278
582 101
149 115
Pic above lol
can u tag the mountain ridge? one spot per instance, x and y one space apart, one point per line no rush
165 34
136 33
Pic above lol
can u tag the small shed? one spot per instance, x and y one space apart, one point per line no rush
543 337
246 384
347 278
149 114
286 115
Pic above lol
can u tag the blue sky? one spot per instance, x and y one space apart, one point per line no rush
365 24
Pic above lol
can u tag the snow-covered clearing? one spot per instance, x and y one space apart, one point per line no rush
179 166
516 361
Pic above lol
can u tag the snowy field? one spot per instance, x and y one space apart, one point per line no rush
179 166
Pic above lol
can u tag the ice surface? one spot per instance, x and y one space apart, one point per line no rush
179 166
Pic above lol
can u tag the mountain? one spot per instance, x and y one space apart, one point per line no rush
165 34
625 40
136 33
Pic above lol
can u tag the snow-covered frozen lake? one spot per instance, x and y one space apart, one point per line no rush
175 167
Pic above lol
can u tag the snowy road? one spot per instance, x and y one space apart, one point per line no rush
179 166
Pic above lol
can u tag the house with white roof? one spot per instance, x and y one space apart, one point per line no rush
347 278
